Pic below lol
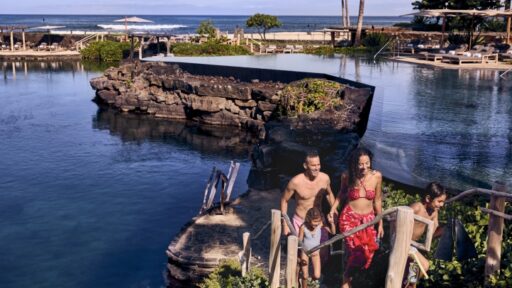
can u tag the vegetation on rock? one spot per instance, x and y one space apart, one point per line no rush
229 275
309 95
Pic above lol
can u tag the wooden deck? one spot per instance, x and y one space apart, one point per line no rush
414 60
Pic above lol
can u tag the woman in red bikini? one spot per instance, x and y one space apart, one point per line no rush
361 191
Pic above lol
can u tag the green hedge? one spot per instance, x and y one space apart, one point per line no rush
210 48
106 51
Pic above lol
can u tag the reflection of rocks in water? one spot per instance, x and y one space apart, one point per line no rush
140 128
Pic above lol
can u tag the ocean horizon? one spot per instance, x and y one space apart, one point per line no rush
181 24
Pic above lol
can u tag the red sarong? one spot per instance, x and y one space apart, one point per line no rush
360 246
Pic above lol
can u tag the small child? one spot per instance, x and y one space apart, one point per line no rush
433 199
310 234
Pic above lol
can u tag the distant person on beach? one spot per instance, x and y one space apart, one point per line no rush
433 200
310 233
308 189
360 189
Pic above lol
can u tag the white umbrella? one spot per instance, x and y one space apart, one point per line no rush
133 19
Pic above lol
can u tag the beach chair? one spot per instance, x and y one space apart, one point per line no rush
54 47
438 56
3 46
506 55
298 49
270 49
17 46
42 47
288 49
478 55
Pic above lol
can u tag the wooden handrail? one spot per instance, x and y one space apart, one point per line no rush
480 191
353 231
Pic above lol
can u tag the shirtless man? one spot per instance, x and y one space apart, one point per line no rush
309 188
433 200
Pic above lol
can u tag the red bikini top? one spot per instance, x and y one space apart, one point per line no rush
353 193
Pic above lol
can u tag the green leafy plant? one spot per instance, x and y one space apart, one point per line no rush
229 275
263 23
309 95
210 48
105 51
375 40
206 28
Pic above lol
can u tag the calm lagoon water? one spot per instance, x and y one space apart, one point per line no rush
453 126
91 198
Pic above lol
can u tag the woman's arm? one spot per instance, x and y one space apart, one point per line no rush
378 202
334 207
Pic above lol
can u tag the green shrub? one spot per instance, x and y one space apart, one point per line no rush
309 95
469 273
210 48
105 51
375 40
229 275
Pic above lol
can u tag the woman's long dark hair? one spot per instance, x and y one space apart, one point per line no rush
353 164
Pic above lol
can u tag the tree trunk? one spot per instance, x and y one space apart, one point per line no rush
357 41
345 21
346 13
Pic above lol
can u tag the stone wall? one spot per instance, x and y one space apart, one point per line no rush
166 91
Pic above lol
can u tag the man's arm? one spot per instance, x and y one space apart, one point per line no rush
330 195
287 194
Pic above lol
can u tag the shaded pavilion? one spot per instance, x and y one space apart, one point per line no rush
468 13
11 29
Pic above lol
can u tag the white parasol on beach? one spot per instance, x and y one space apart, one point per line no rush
133 19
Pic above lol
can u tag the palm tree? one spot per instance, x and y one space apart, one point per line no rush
357 41
345 20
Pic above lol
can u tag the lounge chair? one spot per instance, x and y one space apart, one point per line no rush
484 55
42 47
298 49
54 47
3 47
438 55
17 46
270 49
506 55
288 49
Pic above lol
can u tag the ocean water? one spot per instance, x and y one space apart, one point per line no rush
182 24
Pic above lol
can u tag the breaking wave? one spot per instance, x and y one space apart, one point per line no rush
141 27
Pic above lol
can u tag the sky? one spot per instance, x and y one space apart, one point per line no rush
203 7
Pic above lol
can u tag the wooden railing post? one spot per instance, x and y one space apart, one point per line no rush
400 251
246 263
291 262
495 232
275 249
